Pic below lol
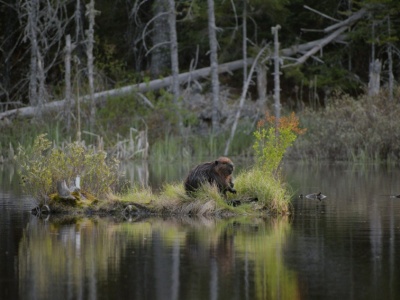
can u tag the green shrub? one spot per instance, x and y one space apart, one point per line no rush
42 166
272 139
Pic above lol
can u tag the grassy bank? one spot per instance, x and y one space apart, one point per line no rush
347 129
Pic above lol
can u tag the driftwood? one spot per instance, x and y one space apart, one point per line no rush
312 46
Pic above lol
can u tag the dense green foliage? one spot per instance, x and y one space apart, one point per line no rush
42 166
273 138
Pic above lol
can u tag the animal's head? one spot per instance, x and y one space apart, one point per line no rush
224 166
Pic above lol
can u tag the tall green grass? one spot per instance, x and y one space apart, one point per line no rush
271 193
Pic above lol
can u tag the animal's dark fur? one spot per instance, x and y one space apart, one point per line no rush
218 172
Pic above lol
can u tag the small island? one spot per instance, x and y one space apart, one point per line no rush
80 180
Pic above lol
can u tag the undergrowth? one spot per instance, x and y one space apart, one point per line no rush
42 166
362 130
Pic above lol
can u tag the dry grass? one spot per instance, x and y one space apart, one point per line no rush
357 130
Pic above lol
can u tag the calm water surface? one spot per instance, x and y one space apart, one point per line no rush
343 247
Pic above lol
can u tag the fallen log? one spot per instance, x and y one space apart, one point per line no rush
143 87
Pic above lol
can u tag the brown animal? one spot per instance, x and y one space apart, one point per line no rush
218 172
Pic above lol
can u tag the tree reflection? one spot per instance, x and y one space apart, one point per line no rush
179 258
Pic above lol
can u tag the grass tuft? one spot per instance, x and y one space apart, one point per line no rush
270 191
206 201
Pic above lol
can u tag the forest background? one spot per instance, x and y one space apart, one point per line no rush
337 73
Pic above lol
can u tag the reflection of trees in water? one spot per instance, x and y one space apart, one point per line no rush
67 258
346 244
184 258
155 174
136 172
9 178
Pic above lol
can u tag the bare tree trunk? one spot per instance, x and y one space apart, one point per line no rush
90 59
214 65
261 70
374 68
174 60
11 25
77 17
244 41
160 55
390 63
44 30
277 86
32 11
79 36
67 108
37 77
41 75
374 77
391 77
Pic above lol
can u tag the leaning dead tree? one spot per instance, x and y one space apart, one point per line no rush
242 99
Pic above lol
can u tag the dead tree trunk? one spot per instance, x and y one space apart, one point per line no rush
68 93
174 61
277 85
214 64
241 103
91 12
374 77
244 41
160 37
390 63
31 10
261 70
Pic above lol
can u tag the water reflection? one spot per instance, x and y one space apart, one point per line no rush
344 246
156 259
351 238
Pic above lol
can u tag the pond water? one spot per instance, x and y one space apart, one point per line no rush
345 246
